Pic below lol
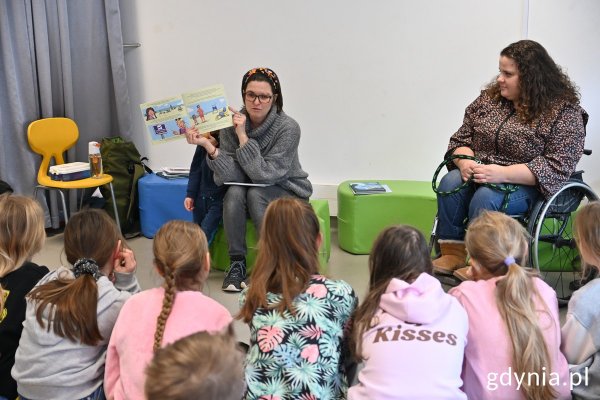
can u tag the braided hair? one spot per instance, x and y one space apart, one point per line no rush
180 255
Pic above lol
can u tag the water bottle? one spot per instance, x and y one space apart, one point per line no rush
95 160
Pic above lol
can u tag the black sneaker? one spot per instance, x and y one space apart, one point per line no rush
235 280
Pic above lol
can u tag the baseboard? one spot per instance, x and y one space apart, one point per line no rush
326 192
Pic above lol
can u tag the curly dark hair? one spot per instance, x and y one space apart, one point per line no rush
542 82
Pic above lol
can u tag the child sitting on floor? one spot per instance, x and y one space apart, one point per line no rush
513 318
299 320
199 366
71 313
581 332
159 316
405 322
21 236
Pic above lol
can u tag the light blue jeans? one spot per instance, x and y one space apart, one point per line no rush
454 209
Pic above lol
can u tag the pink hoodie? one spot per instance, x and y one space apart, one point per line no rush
488 372
415 350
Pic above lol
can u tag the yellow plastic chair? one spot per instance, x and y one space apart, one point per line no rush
51 137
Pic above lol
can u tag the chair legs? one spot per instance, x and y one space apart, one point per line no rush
64 203
62 199
114 201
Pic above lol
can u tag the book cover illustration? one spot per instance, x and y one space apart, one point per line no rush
369 188
205 109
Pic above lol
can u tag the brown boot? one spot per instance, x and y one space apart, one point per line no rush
453 256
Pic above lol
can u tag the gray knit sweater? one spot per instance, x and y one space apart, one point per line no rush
270 156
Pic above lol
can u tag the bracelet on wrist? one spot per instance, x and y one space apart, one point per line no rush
214 152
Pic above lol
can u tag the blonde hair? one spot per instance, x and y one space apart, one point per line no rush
587 236
73 303
491 240
198 366
22 233
288 255
399 252
180 250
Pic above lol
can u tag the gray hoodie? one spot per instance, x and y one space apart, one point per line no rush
48 366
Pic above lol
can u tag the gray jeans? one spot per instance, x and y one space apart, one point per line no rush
241 201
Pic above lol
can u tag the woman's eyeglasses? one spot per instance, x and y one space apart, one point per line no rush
262 98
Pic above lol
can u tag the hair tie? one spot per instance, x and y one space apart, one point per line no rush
87 266
508 261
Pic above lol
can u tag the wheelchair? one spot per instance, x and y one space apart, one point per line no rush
552 249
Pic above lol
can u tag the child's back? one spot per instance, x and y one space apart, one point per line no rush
50 366
514 330
415 351
299 320
156 317
71 312
305 351
408 332
21 236
489 349
581 331
131 345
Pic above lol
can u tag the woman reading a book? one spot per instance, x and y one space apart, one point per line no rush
261 148
525 129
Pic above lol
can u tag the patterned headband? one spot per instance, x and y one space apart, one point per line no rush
86 266
268 73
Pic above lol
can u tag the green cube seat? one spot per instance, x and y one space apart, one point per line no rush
362 217
219 246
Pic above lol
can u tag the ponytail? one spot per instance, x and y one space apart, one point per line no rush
72 303
499 244
515 295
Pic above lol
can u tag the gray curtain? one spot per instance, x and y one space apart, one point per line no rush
59 58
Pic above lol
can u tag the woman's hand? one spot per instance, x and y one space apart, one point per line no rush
194 137
212 139
239 124
188 204
465 165
466 168
124 262
490 173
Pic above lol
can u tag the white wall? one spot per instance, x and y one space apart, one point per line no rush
377 87
570 30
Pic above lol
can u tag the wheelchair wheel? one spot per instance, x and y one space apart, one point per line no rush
552 249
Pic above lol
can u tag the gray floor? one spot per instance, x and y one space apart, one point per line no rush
342 265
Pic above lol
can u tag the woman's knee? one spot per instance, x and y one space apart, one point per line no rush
450 181
235 196
485 198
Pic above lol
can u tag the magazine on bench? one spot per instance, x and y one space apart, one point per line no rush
205 109
360 188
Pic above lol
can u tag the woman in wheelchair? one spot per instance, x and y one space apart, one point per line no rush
525 129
